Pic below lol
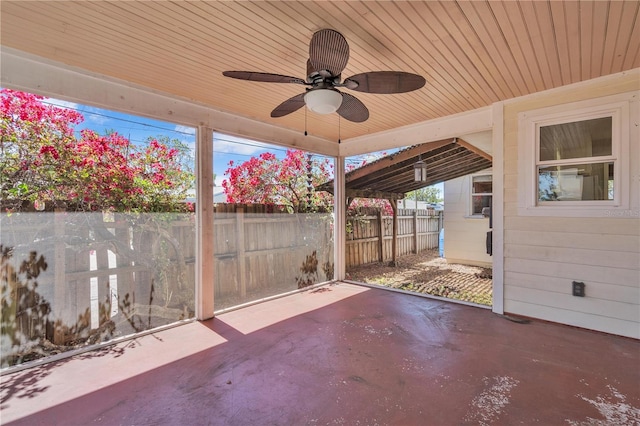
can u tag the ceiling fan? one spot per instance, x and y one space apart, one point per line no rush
328 56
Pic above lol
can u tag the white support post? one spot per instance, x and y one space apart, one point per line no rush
340 214
204 223
497 208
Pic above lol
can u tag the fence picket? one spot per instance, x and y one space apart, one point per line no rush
371 240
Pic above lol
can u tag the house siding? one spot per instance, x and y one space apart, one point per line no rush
543 255
464 236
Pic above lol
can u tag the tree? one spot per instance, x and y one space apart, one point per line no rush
290 181
164 172
430 194
44 160
359 204
32 140
41 160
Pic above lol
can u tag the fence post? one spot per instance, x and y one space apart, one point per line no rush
380 236
415 232
394 245
104 286
125 280
242 269
59 256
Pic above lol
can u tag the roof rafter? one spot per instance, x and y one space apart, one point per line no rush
392 176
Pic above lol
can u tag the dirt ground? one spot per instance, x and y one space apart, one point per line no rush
428 273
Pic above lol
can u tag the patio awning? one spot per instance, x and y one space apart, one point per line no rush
391 177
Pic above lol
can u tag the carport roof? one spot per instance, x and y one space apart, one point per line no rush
391 177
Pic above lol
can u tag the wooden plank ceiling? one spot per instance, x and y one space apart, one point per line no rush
392 176
472 53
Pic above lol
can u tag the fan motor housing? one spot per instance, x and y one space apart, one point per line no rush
322 79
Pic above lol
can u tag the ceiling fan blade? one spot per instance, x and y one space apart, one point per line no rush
353 109
328 50
288 106
385 82
263 77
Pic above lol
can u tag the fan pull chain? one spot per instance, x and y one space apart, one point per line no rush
339 133
305 122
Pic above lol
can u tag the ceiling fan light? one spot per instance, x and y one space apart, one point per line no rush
323 101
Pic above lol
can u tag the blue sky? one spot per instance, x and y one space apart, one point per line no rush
137 129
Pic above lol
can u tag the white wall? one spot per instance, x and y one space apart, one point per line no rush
410 204
464 235
544 254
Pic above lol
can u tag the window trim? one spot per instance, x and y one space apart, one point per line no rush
471 214
616 125
529 123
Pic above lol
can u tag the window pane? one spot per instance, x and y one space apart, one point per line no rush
97 239
584 182
482 184
581 139
87 277
482 187
273 231
480 201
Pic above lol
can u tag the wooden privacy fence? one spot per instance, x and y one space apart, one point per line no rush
370 237
259 252
73 276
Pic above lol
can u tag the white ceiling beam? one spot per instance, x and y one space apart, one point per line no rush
458 125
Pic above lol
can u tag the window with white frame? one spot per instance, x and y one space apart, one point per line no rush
481 193
576 161
574 158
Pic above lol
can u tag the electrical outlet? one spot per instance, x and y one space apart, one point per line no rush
578 288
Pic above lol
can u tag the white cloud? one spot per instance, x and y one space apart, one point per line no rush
234 148
185 129
192 147
62 104
233 145
94 118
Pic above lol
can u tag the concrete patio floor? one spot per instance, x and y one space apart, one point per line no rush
341 354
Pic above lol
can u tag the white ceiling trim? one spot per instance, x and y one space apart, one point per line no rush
458 125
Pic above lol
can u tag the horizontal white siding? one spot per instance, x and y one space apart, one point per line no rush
599 241
464 237
558 285
543 255
564 315
618 260
592 276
